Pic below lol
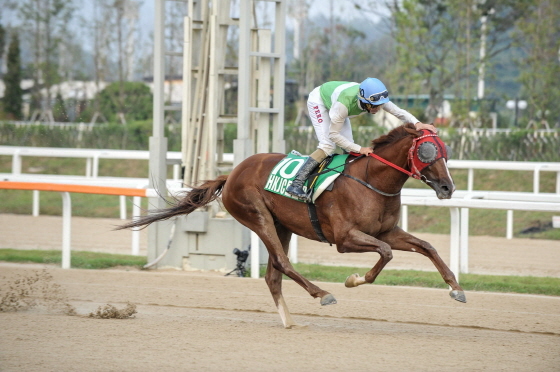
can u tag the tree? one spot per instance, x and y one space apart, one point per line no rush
47 24
59 109
438 44
13 96
137 101
122 16
2 45
541 66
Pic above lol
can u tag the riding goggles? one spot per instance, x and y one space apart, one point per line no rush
374 97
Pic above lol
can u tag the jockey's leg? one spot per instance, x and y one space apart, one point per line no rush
296 187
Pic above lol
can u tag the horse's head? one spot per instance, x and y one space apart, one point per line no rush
426 157
427 160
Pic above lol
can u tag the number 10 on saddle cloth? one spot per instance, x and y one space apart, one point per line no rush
285 171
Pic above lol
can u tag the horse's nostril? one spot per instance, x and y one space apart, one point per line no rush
445 188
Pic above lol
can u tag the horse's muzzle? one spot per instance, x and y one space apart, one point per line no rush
444 190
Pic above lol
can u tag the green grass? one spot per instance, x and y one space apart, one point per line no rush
337 274
78 259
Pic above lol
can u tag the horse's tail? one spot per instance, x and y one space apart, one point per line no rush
197 197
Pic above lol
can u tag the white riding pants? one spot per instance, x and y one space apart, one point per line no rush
321 120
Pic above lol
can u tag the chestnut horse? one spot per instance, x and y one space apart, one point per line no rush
355 218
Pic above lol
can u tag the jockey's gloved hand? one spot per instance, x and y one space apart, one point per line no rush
366 150
430 127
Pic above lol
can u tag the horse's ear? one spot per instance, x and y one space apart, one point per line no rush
411 129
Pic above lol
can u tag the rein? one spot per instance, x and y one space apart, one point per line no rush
359 156
415 173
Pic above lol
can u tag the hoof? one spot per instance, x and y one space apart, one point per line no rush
328 300
352 281
458 296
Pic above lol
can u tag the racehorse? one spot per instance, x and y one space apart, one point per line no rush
360 214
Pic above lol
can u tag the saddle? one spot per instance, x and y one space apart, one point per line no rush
320 180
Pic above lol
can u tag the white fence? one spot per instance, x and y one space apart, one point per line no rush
93 156
459 206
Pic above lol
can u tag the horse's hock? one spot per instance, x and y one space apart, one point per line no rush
202 242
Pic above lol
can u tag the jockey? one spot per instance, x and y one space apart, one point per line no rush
331 106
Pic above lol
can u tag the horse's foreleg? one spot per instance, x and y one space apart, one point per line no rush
359 242
403 241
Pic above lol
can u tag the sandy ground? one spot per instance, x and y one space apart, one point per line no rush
203 321
189 321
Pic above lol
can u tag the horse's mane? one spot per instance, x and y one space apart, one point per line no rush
394 135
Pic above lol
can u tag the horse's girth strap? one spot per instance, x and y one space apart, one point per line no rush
312 210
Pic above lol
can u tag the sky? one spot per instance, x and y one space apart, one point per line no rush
342 9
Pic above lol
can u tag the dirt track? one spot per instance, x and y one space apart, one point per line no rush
196 321
208 322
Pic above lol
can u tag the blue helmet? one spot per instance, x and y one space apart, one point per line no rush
373 92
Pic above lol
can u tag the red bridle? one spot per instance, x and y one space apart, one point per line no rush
417 165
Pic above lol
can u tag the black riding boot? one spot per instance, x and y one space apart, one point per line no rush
296 188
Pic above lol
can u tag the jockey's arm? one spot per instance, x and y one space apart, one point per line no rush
338 115
407 117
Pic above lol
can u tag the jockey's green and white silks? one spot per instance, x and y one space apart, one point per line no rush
341 91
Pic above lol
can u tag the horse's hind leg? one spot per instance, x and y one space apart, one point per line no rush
400 240
274 280
253 213
278 259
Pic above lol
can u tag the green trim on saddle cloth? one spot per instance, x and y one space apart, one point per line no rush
285 171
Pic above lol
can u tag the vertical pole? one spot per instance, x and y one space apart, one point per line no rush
66 228
464 241
212 108
255 248
95 170
455 242
187 92
404 217
122 202
16 163
263 89
536 179
482 57
136 206
243 146
158 143
88 167
278 142
35 203
294 249
509 225
470 180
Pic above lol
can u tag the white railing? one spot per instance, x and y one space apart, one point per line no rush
535 167
92 157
